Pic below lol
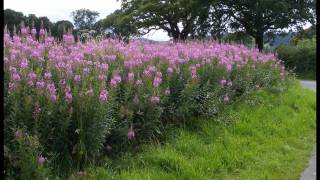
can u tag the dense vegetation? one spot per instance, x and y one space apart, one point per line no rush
68 103
183 19
300 57
264 135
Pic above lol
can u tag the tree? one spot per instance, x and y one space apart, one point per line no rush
84 18
214 23
179 18
60 27
308 33
31 19
259 16
119 24
13 18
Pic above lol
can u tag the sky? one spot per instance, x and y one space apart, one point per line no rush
57 10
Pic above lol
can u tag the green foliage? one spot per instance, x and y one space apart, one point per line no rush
84 18
240 37
301 58
259 16
120 25
309 33
12 18
21 157
167 15
265 134
61 27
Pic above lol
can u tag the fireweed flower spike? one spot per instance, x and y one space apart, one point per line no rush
131 133
103 97
226 99
41 160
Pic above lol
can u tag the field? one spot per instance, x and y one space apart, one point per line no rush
70 104
269 136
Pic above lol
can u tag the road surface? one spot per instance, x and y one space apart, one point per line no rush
311 171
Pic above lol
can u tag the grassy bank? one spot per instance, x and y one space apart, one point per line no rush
270 135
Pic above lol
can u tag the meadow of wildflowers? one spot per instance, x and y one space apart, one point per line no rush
79 100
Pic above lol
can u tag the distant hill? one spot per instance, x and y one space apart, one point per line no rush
281 39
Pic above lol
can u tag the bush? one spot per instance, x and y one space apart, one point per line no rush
301 58
83 99
23 158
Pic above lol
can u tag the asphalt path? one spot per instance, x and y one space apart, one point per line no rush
311 171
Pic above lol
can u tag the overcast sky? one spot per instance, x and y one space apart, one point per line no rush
57 10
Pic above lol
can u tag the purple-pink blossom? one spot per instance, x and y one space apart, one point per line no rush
103 96
155 99
131 133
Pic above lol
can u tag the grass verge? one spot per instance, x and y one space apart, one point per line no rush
269 135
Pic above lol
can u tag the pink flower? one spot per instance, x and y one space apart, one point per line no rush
33 31
130 76
155 99
68 97
30 83
86 70
24 64
16 77
104 67
41 160
156 82
131 133
226 99
18 134
101 77
32 76
62 82
229 67
12 69
77 78
47 75
53 97
139 82
223 82
103 96
42 32
115 80
40 84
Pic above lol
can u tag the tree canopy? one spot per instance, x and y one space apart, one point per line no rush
120 25
178 18
183 18
84 18
259 16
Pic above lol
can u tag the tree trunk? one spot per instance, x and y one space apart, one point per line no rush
259 41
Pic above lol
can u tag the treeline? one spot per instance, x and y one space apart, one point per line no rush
185 19
14 19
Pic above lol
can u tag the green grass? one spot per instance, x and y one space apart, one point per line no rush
269 136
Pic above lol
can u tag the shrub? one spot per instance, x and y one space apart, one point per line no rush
301 58
81 99
23 158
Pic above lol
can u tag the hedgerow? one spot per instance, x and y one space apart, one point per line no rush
84 100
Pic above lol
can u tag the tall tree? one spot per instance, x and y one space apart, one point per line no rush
60 27
84 18
13 18
119 23
259 16
179 18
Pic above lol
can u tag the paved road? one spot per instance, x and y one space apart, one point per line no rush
310 172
